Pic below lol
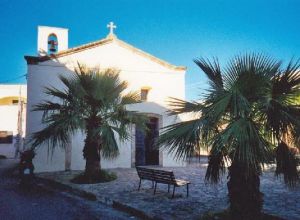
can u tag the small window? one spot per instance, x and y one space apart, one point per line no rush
6 137
144 94
15 102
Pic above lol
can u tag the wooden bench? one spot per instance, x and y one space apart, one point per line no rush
161 176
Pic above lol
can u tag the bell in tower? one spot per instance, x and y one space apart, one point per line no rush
51 40
52 44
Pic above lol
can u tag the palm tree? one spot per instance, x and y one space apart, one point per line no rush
248 113
93 102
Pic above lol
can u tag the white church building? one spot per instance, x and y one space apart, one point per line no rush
157 80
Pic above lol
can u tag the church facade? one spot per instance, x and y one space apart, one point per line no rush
156 80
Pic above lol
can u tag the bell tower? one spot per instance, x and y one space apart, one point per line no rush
51 40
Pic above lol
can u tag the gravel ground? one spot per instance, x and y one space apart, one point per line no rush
279 200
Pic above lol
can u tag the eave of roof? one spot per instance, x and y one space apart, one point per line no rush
34 60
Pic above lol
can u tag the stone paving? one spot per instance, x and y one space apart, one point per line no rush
279 200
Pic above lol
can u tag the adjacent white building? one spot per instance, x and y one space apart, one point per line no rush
156 79
12 118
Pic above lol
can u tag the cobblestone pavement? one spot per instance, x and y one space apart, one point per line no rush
41 204
279 200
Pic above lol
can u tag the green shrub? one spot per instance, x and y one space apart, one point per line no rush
102 177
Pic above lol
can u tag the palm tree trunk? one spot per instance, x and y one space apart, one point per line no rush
92 156
245 198
91 152
92 167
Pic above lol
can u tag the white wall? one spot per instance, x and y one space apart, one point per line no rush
9 116
138 70
13 90
8 122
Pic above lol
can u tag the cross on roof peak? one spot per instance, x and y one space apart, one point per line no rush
111 27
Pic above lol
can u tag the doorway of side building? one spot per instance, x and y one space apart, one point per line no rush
146 152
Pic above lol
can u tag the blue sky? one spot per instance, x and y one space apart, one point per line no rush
173 30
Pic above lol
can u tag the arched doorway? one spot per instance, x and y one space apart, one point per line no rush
146 152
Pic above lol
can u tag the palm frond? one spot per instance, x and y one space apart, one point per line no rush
212 71
130 98
279 107
181 139
287 164
47 106
245 143
249 65
216 164
109 145
217 107
57 131
51 91
179 106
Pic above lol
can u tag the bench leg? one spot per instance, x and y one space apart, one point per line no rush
155 188
187 190
173 192
168 188
140 184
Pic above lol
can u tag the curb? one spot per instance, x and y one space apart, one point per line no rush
92 197
64 187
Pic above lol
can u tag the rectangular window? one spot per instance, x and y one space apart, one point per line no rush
144 94
6 137
15 102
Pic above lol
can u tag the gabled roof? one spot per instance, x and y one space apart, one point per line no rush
109 39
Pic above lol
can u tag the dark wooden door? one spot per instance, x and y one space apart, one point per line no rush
152 152
139 147
146 152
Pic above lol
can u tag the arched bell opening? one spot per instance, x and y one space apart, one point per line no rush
52 44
